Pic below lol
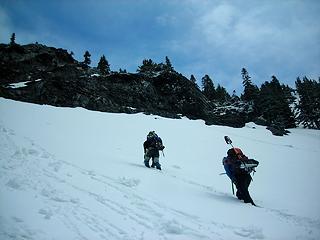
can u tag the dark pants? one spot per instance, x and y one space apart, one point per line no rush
242 181
154 155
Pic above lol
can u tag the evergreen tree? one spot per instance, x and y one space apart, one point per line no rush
221 94
193 79
274 106
103 66
288 93
208 88
13 39
168 65
234 97
309 102
246 79
122 71
148 67
87 59
251 91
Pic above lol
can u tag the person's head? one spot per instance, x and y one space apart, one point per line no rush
231 153
151 134
235 153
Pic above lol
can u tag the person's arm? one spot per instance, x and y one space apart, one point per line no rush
145 146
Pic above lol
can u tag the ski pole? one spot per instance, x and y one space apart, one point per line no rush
232 187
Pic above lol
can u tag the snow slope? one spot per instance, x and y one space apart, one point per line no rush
76 174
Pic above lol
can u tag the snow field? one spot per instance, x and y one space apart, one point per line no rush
76 174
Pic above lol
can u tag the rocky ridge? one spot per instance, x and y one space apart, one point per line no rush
46 75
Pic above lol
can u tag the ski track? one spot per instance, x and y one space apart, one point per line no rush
142 218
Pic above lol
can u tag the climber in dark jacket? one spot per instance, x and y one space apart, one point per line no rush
239 172
151 150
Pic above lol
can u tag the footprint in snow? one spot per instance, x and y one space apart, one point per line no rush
45 155
55 196
89 172
176 166
55 165
172 227
251 233
17 220
33 152
129 182
47 213
14 184
289 145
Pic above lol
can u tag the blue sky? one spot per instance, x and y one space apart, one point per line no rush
218 38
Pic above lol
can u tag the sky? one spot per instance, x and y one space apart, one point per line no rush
218 38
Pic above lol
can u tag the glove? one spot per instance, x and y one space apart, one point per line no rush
161 148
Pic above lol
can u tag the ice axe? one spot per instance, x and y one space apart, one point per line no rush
162 153
228 141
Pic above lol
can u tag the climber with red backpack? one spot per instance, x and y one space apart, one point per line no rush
238 168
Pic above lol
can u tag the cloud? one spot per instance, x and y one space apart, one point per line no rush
5 26
271 37
200 37
217 23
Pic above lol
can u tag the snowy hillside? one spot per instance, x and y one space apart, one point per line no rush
76 174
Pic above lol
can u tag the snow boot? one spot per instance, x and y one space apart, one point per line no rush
239 196
158 166
147 164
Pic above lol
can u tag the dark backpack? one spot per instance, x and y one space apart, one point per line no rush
241 163
249 165
155 141
158 143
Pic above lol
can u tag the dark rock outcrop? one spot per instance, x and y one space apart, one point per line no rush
278 130
53 77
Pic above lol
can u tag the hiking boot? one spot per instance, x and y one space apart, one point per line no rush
239 196
158 166
146 164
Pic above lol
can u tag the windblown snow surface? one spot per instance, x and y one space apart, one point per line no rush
70 173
